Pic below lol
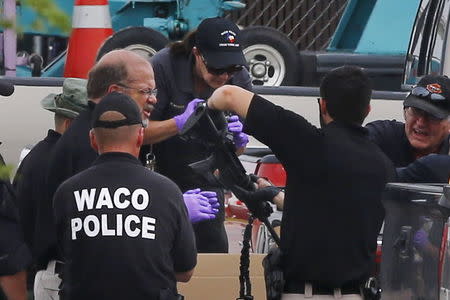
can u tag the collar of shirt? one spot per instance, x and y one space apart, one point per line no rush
116 157
358 129
53 134
91 105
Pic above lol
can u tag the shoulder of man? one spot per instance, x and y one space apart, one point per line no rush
385 129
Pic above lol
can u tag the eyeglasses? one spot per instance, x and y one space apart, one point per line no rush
217 72
418 113
148 92
422 92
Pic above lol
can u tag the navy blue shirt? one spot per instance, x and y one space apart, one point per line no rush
175 83
71 154
34 209
390 136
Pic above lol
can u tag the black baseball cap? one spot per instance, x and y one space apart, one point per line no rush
432 94
219 43
120 103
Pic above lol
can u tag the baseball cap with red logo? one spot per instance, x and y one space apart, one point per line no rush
218 42
432 94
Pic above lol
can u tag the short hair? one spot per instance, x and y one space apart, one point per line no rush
347 91
59 119
103 75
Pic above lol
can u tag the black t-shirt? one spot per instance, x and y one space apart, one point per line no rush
34 209
71 154
14 253
390 136
124 231
332 210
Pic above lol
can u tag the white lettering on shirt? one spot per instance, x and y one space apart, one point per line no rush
119 192
76 225
130 225
86 197
139 193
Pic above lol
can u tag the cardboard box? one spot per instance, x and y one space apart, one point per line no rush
216 277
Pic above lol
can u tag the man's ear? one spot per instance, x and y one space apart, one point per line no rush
323 106
140 139
369 108
67 123
93 140
114 88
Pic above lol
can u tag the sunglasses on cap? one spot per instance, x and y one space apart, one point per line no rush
422 92
229 70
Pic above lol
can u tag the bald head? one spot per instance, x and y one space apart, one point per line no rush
117 66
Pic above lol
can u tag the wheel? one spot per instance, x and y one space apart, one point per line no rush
145 41
273 59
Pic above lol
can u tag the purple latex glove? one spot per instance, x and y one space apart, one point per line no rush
420 238
235 126
181 119
212 199
198 206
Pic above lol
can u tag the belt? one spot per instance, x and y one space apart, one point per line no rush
320 289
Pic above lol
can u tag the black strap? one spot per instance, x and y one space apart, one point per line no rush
245 292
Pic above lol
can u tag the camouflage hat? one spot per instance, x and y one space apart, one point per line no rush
71 101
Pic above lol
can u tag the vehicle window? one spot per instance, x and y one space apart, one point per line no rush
435 63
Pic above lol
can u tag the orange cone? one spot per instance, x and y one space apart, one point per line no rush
91 25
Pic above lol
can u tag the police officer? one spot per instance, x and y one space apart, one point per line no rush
29 183
335 180
426 128
206 59
127 236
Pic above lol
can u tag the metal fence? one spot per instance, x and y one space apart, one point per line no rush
310 24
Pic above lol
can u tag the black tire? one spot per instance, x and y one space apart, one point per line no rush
139 39
272 57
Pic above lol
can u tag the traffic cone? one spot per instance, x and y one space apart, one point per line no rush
91 25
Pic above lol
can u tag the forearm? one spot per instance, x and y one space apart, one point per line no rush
184 276
158 131
231 98
15 286
278 200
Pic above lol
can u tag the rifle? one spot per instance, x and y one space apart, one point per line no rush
211 126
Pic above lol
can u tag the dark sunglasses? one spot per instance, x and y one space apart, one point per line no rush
230 70
422 92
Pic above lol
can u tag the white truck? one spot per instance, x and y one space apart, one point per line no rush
23 122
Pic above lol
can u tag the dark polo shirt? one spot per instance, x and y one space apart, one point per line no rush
390 136
34 209
332 210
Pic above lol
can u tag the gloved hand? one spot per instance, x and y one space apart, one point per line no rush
198 206
212 198
235 126
257 201
181 119
420 239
